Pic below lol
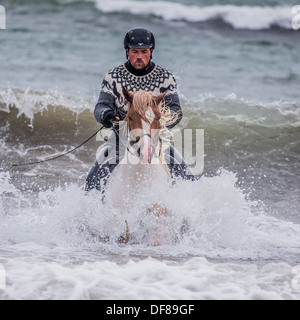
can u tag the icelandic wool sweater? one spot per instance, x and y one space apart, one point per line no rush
153 78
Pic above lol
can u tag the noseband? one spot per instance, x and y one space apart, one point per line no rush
132 143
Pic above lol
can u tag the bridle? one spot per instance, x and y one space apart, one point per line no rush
133 143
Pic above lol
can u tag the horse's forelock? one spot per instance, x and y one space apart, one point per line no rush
142 101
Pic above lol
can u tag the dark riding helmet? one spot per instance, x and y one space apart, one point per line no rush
139 38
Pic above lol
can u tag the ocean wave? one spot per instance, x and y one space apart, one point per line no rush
239 112
55 122
238 122
260 142
148 279
227 225
227 220
33 104
239 17
229 251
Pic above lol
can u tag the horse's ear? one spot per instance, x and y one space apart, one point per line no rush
160 97
128 95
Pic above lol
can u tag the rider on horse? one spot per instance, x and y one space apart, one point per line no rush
138 73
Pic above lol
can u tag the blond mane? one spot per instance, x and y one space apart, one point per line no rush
143 100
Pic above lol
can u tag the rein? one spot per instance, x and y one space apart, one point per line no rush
59 156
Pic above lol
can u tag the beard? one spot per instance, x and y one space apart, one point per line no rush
139 64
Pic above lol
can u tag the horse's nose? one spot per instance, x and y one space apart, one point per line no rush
145 152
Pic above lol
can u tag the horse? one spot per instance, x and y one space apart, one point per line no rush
143 167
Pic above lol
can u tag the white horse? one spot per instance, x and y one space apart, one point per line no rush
143 167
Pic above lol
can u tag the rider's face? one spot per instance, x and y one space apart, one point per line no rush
139 58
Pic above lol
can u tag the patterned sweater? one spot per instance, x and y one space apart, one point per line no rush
153 78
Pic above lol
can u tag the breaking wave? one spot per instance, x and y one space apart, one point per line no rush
259 142
239 17
30 105
75 237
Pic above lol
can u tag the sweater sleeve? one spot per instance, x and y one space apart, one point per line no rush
106 101
173 102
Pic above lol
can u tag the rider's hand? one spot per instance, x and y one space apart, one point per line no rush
108 118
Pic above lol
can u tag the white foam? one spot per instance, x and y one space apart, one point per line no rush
239 17
146 279
49 246
218 219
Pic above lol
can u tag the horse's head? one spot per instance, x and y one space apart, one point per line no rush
143 122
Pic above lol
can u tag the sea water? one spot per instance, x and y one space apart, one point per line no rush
234 234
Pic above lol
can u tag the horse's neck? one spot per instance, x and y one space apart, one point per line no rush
130 181
132 167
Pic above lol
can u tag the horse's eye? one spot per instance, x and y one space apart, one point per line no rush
137 139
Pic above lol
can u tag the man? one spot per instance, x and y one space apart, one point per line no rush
138 73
